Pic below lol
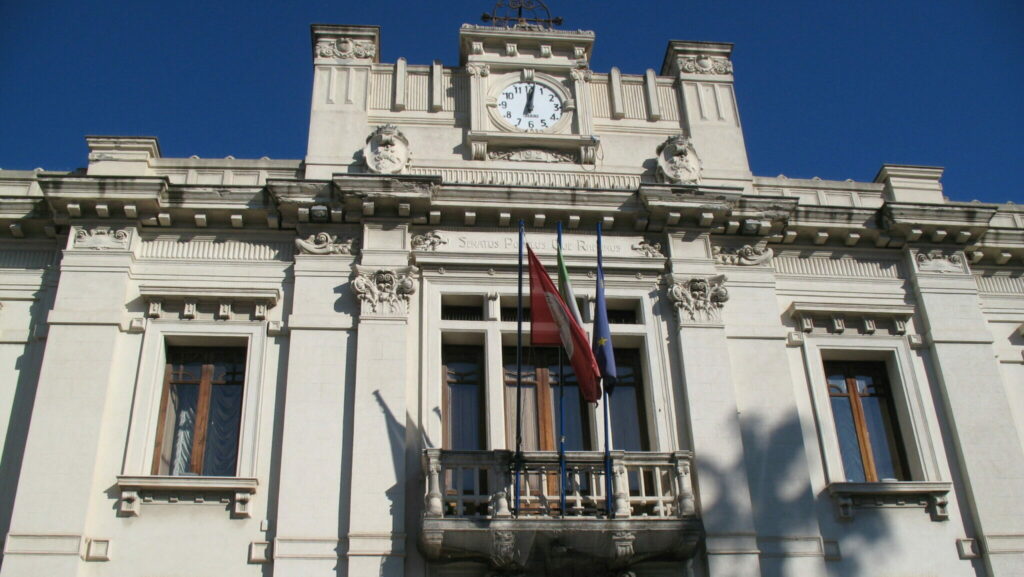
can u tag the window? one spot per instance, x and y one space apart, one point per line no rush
463 397
862 406
200 412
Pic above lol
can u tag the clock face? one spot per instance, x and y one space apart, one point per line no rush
529 106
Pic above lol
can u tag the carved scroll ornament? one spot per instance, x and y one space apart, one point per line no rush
345 48
678 162
937 261
428 241
387 151
384 292
699 299
705 64
324 243
744 256
102 238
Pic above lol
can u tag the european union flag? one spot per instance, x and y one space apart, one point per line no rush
603 352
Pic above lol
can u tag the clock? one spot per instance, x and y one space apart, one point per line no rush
529 107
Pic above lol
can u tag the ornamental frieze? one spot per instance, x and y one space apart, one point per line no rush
648 249
699 299
941 262
324 243
530 155
428 241
385 292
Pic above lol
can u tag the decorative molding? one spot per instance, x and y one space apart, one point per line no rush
999 284
699 299
503 549
519 177
136 490
97 550
385 292
704 64
938 261
102 238
838 316
28 259
623 541
428 241
648 249
745 256
42 544
325 243
530 155
387 151
931 495
821 267
678 162
346 48
215 249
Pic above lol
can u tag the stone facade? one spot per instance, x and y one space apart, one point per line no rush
345 277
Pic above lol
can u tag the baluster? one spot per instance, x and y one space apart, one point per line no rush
620 487
686 503
659 507
577 498
434 504
500 498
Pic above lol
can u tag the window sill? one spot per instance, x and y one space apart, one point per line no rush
929 495
136 490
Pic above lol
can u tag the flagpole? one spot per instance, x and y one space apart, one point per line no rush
518 459
561 411
605 403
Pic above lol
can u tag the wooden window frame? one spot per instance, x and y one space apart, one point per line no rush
446 415
206 383
877 371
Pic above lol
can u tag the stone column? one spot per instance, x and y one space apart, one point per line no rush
312 516
81 364
974 400
384 285
698 295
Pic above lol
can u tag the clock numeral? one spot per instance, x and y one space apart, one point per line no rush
557 106
519 89
544 123
553 117
551 98
531 124
503 104
519 121
509 95
508 114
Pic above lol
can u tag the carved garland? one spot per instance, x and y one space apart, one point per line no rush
699 299
324 243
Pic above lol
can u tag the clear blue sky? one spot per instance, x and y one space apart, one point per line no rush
826 88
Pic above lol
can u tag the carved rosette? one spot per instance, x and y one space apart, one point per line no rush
649 249
704 64
385 292
345 49
678 162
428 241
699 300
941 262
387 151
745 256
324 243
102 238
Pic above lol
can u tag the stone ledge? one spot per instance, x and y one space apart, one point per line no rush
131 486
931 495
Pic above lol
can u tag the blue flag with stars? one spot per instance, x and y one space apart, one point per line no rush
603 352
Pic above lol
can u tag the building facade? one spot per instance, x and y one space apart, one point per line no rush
306 367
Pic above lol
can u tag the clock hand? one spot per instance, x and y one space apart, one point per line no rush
529 100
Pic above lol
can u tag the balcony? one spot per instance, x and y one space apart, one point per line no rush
470 510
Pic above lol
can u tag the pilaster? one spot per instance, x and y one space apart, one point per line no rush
697 292
313 510
49 523
384 285
988 449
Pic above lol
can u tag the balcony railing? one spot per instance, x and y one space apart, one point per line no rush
482 484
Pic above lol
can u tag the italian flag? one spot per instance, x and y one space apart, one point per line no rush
552 323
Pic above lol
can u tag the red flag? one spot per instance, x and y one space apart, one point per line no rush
551 323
